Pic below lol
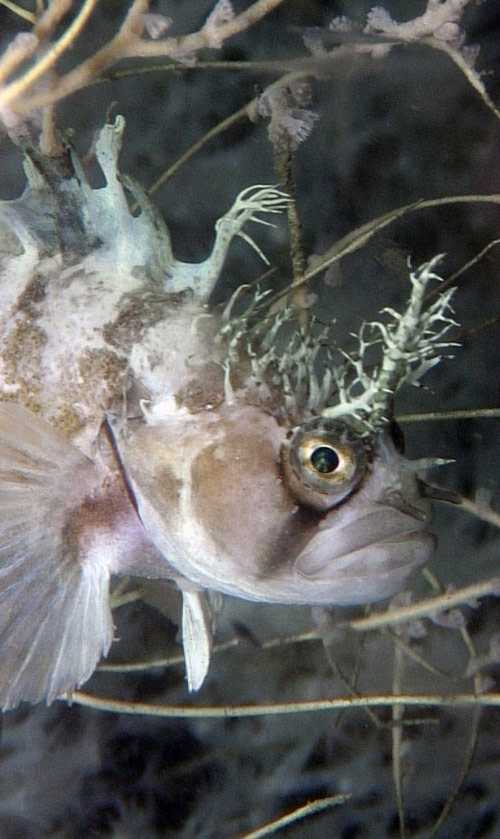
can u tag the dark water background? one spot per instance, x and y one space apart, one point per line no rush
390 132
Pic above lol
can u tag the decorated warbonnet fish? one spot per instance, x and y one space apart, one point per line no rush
143 432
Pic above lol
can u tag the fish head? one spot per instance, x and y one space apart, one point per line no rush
240 503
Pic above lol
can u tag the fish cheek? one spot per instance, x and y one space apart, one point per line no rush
168 487
239 499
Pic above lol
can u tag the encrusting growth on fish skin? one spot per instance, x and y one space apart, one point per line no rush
144 431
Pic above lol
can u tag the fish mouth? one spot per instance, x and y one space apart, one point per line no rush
367 575
374 572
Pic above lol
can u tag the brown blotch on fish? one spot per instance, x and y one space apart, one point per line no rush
169 486
22 353
101 514
205 391
238 496
33 294
292 537
103 376
139 312
104 372
69 421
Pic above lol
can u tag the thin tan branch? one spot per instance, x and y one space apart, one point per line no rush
269 66
170 661
16 89
397 740
22 47
18 10
470 74
25 44
357 239
464 771
117 706
192 150
451 280
308 809
480 511
51 18
465 413
474 731
127 43
408 650
426 608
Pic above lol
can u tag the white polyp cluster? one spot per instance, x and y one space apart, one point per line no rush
299 365
281 357
411 343
306 384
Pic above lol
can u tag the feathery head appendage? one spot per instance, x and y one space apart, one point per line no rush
289 366
411 342
294 370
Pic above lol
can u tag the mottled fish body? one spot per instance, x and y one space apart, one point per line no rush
142 431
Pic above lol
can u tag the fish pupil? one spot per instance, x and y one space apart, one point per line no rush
324 459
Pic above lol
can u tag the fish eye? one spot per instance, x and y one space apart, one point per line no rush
330 455
324 462
324 459
329 461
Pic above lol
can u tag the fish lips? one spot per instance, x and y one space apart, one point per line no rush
367 558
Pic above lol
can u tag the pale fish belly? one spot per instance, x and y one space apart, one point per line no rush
144 431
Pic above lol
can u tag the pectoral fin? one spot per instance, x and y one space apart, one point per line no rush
199 616
55 620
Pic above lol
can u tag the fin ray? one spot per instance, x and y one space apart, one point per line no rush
55 620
